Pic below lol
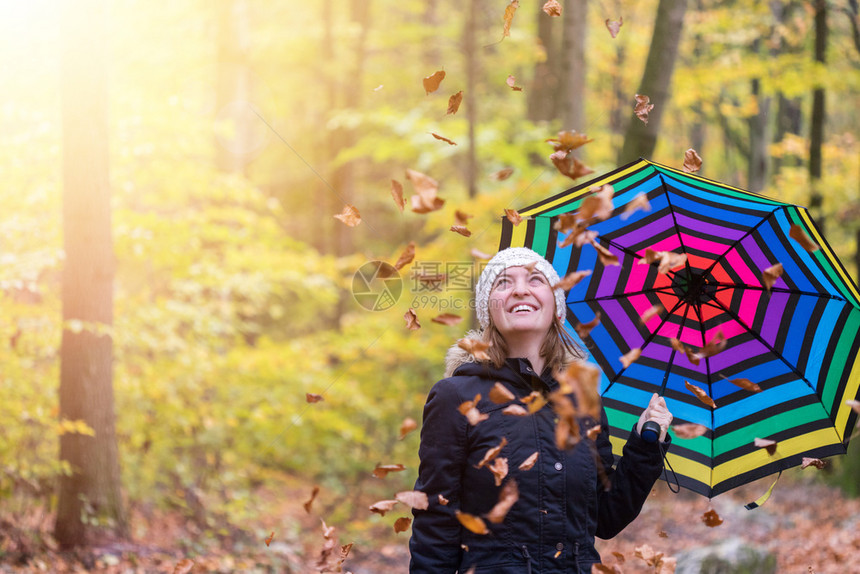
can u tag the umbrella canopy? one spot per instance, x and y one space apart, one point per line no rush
691 305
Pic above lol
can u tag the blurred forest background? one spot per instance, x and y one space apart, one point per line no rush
188 158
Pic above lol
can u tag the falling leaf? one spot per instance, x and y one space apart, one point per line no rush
307 505
478 254
411 320
513 216
443 138
462 230
571 279
767 444
745 384
552 7
508 496
528 463
431 83
502 174
350 215
382 506
511 82
454 102
692 161
407 426
515 411
471 522
714 345
509 16
650 313
711 518
700 394
598 205
397 194
447 319
461 217
671 261
382 470
499 468
402 524
798 234
593 432
465 406
579 234
816 462
614 26
474 416
426 188
477 348
492 453
442 500
638 202
500 394
270 537
770 275
583 329
689 430
313 398
405 259
855 406
681 348
606 257
413 499
629 357
643 106
569 140
568 165
184 566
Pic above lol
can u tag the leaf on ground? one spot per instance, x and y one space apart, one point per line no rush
700 394
568 281
397 194
471 522
407 426
492 453
816 462
413 499
454 103
307 505
402 524
462 230
499 468
313 398
513 216
512 84
447 319
502 174
270 537
382 506
797 233
767 444
443 138
510 10
692 161
500 394
382 470
770 275
630 356
635 204
584 329
184 566
642 107
650 313
529 463
614 26
711 518
411 318
477 348
349 216
508 496
689 430
431 82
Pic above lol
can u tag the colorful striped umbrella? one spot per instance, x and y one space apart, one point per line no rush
710 323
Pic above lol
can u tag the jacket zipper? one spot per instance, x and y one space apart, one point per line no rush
528 558
576 556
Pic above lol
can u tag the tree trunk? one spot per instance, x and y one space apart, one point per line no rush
471 53
235 121
640 139
758 127
89 502
572 89
816 133
543 91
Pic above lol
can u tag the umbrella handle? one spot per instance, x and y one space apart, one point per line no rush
650 431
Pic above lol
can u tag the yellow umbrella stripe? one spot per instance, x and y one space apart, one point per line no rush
828 253
851 387
518 237
681 465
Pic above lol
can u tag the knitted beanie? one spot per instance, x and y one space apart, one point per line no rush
513 257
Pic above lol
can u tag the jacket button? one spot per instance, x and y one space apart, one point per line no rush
559 546
558 466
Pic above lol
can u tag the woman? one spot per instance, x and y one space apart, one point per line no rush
565 499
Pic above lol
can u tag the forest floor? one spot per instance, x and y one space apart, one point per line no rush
810 528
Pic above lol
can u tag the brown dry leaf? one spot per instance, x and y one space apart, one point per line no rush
477 348
593 432
745 384
816 462
583 380
426 188
529 463
681 348
462 230
405 258
651 256
598 205
714 345
692 161
502 174
307 505
313 398
552 7
770 275
619 557
614 26
500 394
569 140
382 506
465 406
431 82
580 235
571 279
855 405
652 312
492 453
605 569
270 537
499 468
442 500
402 524
643 106
185 565
413 499
443 138
471 522
629 357
646 553
474 416
711 518
407 426
700 394
447 319
515 411
397 194
509 17
454 103
411 320
513 216
461 217
670 261
349 216
568 165
689 430
512 84
568 222
663 534
508 496
536 405
382 470
606 257
478 254
584 329
798 234
638 202
767 444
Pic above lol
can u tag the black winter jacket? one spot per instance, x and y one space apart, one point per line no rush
562 504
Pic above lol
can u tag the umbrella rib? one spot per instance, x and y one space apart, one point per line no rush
675 224
641 292
674 352
765 343
737 242
726 286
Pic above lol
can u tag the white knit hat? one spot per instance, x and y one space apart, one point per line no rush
513 257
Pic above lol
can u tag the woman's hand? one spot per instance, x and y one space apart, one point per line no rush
658 412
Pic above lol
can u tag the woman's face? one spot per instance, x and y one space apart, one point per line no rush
522 302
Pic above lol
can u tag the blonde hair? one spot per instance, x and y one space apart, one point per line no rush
558 348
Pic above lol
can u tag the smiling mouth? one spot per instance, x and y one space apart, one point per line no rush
522 309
